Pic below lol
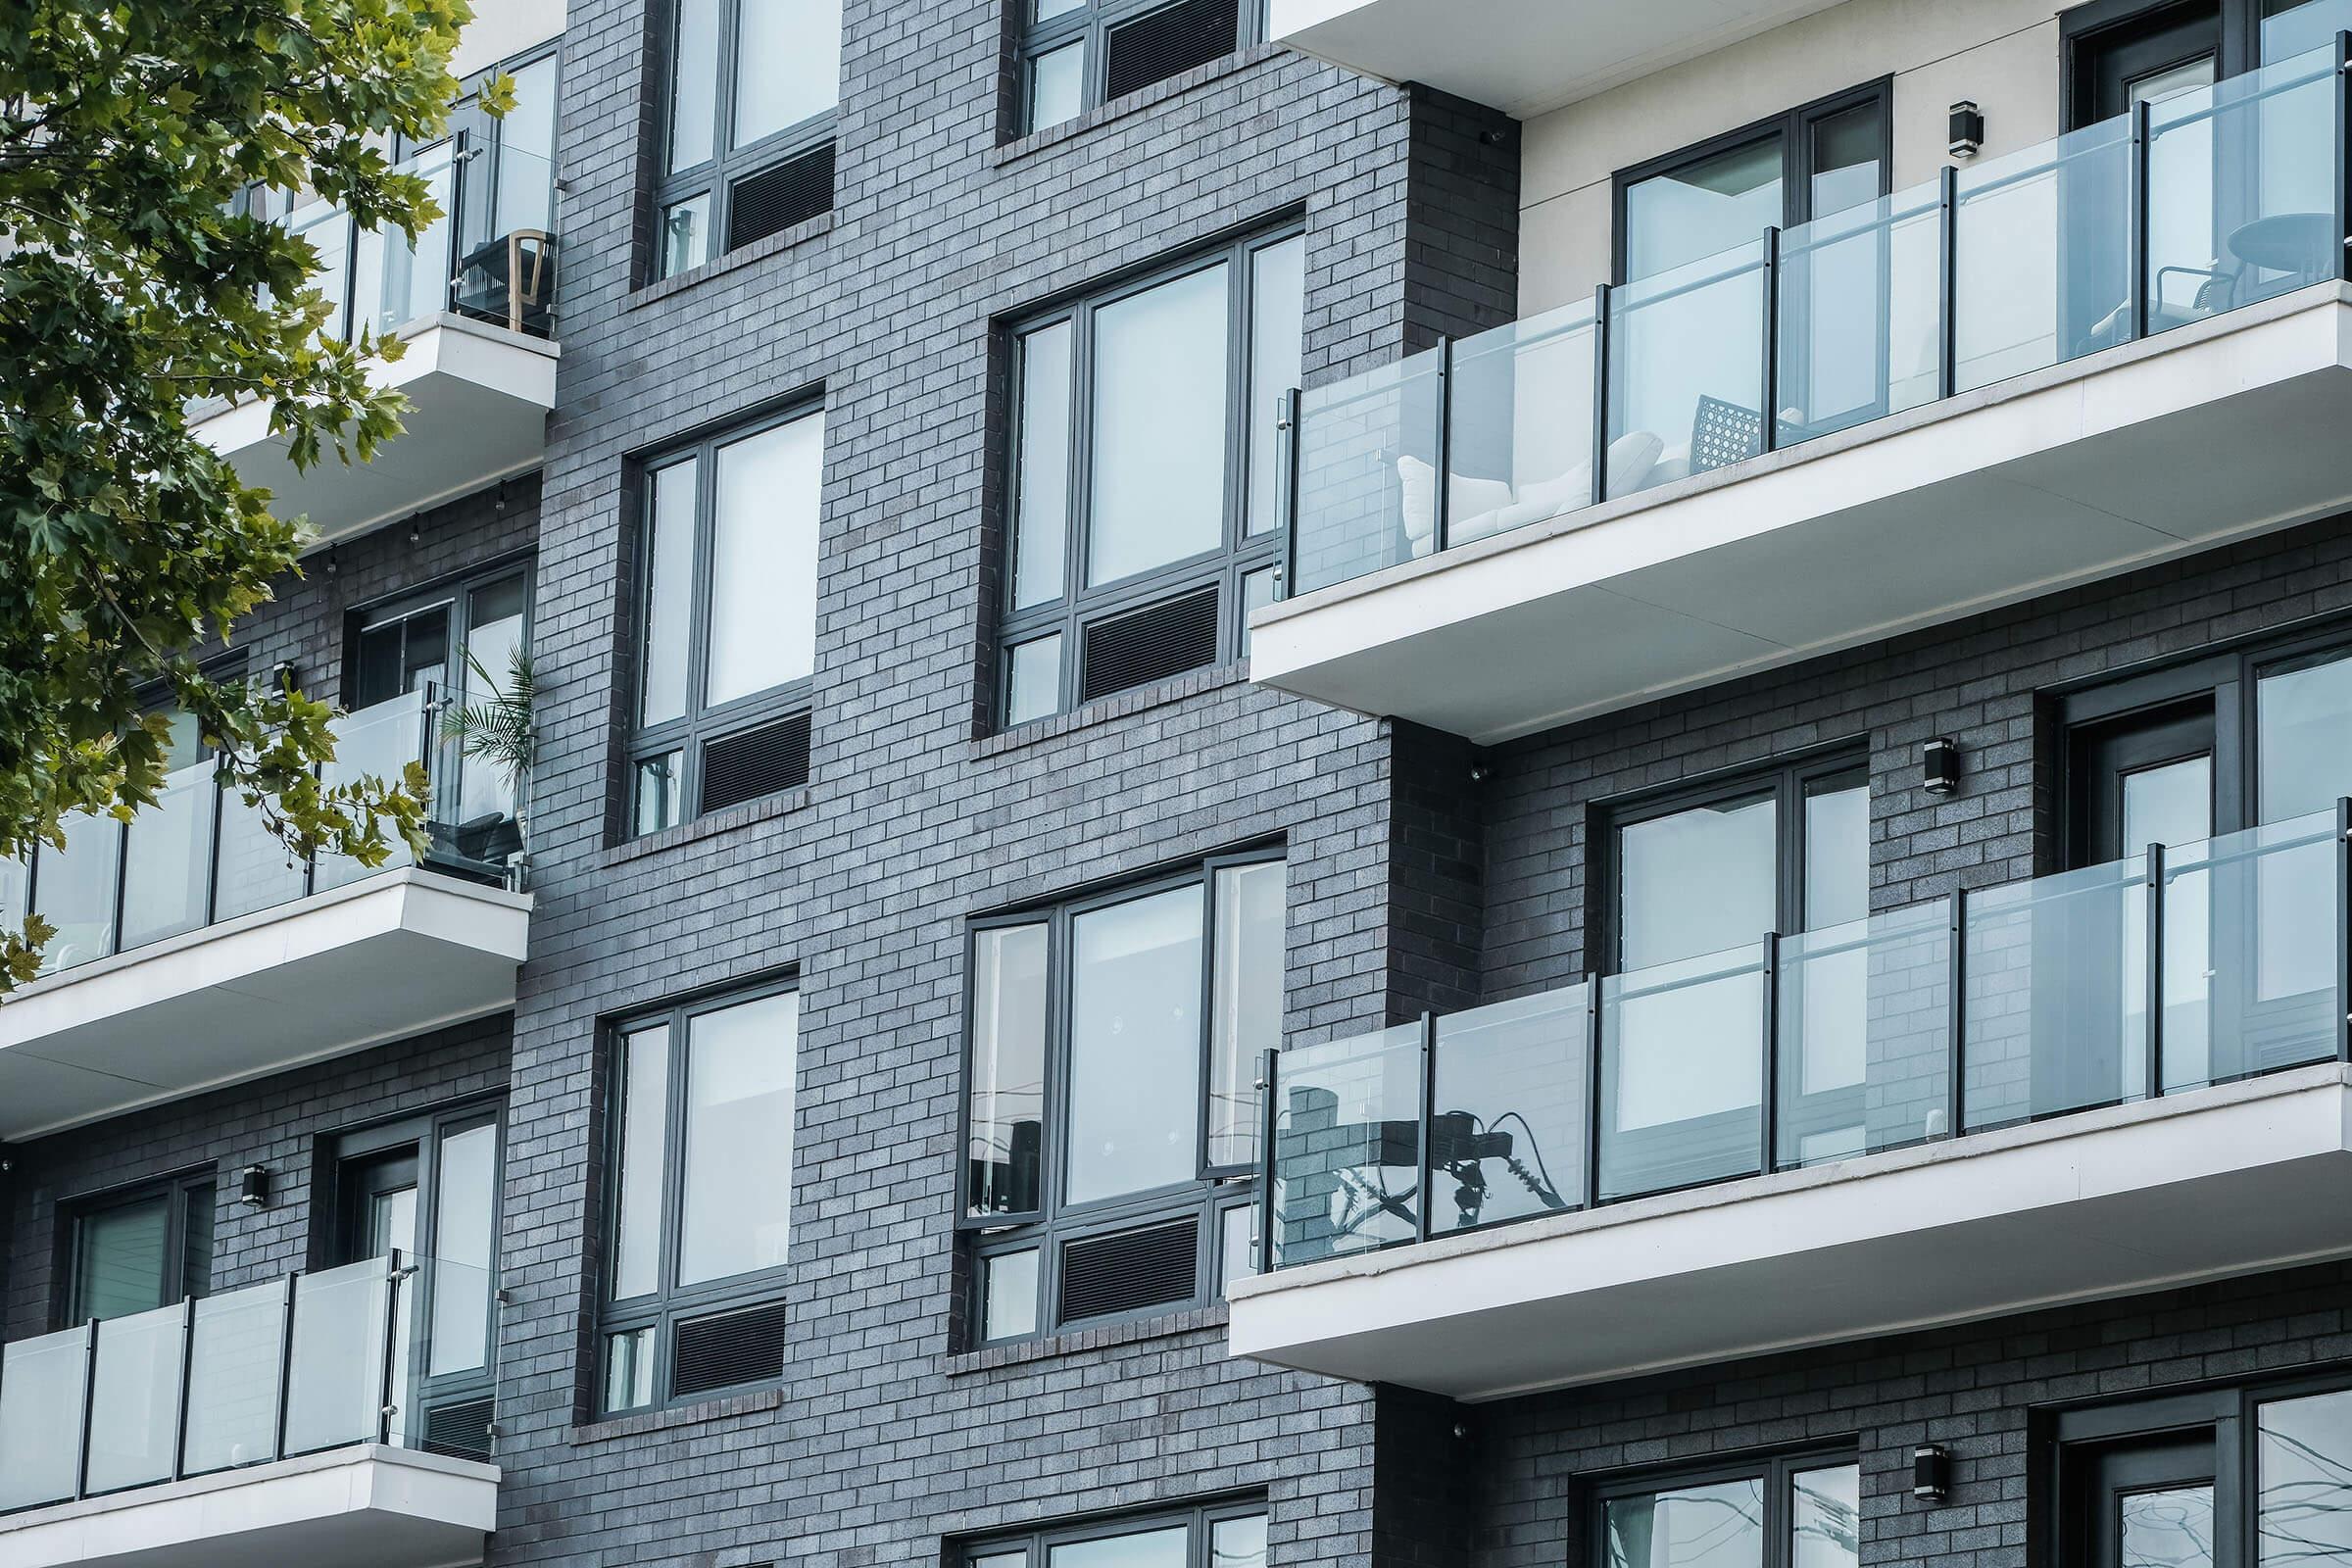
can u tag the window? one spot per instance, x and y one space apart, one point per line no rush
138 1249
1802 1512
699 1124
1076 54
1232 1536
1143 475
747 143
727 625
1112 1099
2260 1475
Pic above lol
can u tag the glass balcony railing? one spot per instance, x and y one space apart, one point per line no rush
491 256
395 1350
2182 210
200 855
2164 973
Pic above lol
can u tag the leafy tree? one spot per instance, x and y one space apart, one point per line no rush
130 288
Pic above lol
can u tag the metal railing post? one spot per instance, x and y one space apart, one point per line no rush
1600 393
187 1365
386 1404
2343 929
1593 1111
1956 1007
89 1408
1442 515
1947 284
2136 295
1267 1114
285 1365
1422 1223
1771 382
1769 1155
1286 495
2343 156
2154 950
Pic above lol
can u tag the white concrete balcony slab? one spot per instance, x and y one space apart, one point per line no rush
2107 1202
479 396
363 1507
387 955
1522 56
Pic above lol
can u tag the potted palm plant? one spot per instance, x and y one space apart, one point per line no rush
495 728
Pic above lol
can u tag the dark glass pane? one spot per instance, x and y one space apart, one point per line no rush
119 1259
1007 1136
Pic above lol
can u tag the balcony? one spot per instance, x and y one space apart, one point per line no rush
2125 345
473 303
191 952
1949 1112
336 1417
1524 56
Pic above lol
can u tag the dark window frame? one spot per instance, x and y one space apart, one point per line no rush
1036 1545
176 1191
1240 553
1795 127
728 166
1090 25
2069 1439
1210 1191
689 734
1777 1469
663 1307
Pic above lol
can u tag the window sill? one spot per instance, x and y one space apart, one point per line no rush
1134 103
1074 1342
759 250
707 827
590 1432
1104 709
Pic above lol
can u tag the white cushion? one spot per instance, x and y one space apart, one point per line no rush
1466 500
1630 458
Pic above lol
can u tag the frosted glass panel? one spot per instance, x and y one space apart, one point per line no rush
1158 492
737 1202
764 571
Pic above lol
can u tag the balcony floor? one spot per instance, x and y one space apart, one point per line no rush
2218 1182
2226 428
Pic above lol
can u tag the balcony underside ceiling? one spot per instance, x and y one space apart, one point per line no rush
2220 430
1523 55
2219 1182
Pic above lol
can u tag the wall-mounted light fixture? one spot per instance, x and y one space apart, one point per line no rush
1940 766
1968 130
1930 1472
253 1187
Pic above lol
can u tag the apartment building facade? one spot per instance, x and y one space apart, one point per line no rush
1342 782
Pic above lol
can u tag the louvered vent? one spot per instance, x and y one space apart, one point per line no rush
1129 1271
461 1427
755 762
729 1349
1152 48
774 199
1151 644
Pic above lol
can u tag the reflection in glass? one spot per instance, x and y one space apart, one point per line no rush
1057 85
1135 1046
1151 1548
1276 337
1245 1004
736 1174
644 1115
629 1369
1009 1069
1237 1542
1034 681
1720 1526
2171 804
787 65
2303 741
1510 1086
1012 1296
1159 393
465 1203
1237 1245
1347 1145
1042 531
2303 1489
2168 1529
667 635
1825 1520
762 629
694 84
685 234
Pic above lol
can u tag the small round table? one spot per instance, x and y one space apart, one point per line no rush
2300 243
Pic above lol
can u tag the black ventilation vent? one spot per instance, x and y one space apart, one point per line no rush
1174 39
729 1349
1148 645
757 761
774 199
461 1427
1129 1271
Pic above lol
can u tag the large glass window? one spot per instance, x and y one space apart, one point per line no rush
1076 54
699 1125
727 621
1781 1514
1111 1094
135 1250
748 144
1229 1536
1143 478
